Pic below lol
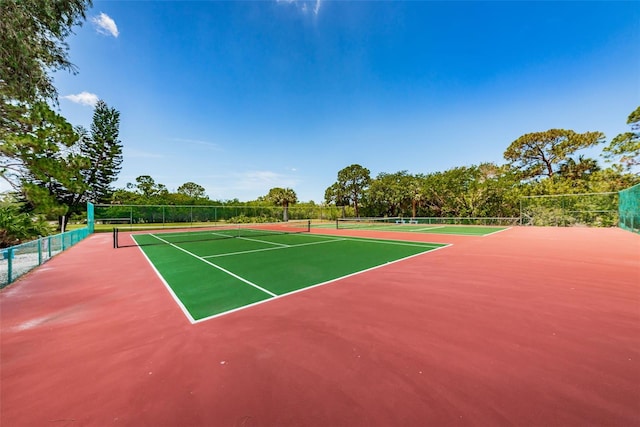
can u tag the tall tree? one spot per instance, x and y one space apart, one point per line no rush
416 193
103 148
626 146
40 160
352 182
581 169
336 195
148 190
192 190
390 193
32 42
538 153
486 190
282 197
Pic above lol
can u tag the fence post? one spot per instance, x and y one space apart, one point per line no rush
9 265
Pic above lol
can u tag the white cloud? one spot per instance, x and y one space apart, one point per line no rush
83 98
105 25
305 5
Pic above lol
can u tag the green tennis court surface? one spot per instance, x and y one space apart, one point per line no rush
212 277
413 227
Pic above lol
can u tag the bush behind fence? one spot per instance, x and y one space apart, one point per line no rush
565 210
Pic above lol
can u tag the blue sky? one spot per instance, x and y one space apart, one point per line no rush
241 97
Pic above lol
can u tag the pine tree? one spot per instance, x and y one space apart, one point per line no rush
104 150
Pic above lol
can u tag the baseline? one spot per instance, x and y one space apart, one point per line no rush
320 284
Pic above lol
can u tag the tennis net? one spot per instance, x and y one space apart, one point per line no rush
367 222
164 236
400 223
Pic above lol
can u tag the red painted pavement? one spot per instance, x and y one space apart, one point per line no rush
531 326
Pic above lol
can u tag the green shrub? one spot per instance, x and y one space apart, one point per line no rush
17 227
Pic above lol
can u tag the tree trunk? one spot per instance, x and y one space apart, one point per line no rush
62 222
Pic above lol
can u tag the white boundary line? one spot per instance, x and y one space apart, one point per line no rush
428 228
242 279
330 239
392 228
270 249
318 284
166 285
264 241
393 242
498 231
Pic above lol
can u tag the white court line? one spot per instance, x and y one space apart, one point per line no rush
318 284
429 228
270 249
263 241
393 242
498 231
217 266
166 285
329 239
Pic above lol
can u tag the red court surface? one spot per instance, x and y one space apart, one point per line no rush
528 327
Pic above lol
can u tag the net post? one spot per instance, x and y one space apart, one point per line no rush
337 222
115 238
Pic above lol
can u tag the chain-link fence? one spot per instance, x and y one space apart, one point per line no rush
20 259
566 210
137 216
629 209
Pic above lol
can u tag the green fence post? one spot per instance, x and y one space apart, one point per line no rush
10 265
39 250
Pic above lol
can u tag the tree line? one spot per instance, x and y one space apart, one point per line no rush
54 168
538 163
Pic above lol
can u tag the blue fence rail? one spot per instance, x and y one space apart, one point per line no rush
20 259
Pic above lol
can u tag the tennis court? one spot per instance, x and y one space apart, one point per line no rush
411 225
216 271
530 326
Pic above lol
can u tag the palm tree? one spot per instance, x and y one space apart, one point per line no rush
282 197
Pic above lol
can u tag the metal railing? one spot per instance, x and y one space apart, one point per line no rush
20 259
